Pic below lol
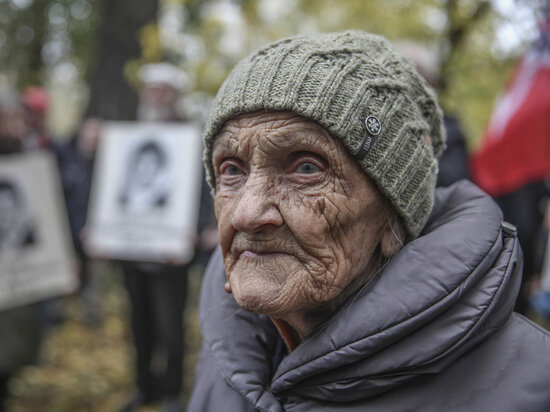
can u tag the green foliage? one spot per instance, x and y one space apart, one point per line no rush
447 26
37 34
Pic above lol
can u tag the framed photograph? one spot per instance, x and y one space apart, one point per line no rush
145 195
37 260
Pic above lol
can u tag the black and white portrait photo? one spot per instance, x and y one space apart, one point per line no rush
36 255
16 224
146 184
145 193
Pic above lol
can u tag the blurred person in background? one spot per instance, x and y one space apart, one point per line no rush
157 291
36 102
19 327
513 163
160 94
539 292
13 124
76 162
345 280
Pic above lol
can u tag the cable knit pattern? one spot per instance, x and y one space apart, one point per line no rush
338 80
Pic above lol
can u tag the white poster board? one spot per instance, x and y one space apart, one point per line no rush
145 195
36 255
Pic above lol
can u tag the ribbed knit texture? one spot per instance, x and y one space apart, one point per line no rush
338 80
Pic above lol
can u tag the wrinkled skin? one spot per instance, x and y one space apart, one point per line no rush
301 226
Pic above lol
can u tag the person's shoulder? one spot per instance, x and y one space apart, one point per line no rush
525 344
529 330
508 371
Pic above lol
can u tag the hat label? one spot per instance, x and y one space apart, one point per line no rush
373 129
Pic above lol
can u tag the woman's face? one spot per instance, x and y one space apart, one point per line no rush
298 218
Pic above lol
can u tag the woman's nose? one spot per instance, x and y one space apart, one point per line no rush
257 207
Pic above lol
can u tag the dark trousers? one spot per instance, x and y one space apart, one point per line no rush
157 298
3 391
525 208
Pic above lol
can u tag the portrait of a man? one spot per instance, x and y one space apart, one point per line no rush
146 184
16 227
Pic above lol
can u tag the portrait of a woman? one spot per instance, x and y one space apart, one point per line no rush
344 280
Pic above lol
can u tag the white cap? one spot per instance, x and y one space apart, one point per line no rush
165 74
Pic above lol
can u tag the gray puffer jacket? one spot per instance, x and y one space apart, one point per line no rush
434 331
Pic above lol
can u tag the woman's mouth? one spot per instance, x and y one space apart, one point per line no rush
254 254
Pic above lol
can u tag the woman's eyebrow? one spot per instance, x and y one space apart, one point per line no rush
287 138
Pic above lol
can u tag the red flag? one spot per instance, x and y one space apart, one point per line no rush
516 146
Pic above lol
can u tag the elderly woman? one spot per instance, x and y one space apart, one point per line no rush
344 281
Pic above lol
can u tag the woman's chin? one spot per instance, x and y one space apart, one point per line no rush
257 299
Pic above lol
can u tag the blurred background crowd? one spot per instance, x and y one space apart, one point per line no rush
67 67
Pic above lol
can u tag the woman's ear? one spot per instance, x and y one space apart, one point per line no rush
393 237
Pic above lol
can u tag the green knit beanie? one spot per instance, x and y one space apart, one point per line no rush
359 89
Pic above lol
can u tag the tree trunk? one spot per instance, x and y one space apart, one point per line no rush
37 20
456 33
111 97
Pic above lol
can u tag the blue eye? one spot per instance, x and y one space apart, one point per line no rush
232 170
307 168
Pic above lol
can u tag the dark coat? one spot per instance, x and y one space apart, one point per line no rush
19 337
434 331
453 162
76 178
